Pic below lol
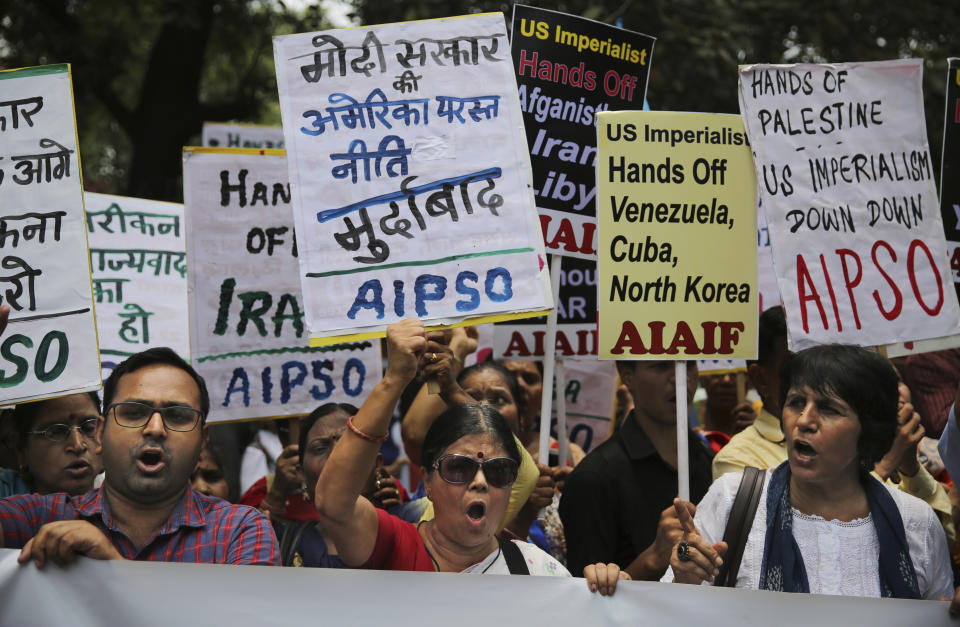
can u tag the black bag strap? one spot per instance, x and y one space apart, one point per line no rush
290 540
511 553
742 513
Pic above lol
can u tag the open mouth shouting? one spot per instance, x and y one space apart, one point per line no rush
804 452
477 512
151 460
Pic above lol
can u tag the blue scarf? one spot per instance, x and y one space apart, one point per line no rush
782 568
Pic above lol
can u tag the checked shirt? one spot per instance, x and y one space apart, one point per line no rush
201 529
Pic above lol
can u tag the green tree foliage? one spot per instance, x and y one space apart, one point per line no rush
147 74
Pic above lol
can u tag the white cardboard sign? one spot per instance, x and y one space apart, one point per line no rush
847 184
238 135
410 175
139 269
247 332
50 345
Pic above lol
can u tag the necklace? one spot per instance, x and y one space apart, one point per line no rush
436 566
423 537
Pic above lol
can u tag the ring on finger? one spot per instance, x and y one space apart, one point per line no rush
433 357
378 484
683 551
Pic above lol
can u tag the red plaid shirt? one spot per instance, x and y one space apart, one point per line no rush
200 529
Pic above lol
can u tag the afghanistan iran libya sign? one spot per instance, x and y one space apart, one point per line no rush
569 69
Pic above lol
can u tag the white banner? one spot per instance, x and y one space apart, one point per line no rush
50 345
98 593
237 135
138 258
847 186
411 175
247 332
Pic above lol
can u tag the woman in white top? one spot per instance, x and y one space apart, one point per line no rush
824 524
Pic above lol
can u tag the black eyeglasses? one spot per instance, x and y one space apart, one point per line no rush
457 469
134 415
60 432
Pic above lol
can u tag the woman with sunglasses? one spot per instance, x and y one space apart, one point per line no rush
58 447
469 459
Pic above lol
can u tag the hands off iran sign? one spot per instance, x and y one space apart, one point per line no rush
847 186
410 176
247 333
50 344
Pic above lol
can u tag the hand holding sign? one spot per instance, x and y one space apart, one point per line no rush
406 344
694 560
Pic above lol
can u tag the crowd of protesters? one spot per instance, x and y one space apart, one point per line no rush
846 490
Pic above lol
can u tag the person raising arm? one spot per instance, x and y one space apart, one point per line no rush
470 459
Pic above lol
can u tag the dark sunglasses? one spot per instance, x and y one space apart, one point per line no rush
500 472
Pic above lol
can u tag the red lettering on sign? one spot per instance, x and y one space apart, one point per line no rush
803 280
894 311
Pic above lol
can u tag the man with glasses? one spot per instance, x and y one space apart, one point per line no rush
57 446
153 430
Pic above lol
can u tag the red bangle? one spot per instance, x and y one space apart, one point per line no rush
366 436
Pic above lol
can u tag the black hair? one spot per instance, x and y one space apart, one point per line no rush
153 356
463 420
771 330
862 379
25 416
311 419
519 398
214 453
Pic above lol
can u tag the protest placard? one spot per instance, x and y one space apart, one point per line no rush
247 332
590 390
138 263
677 266
50 344
949 208
576 309
410 176
720 366
569 69
239 135
769 292
767 296
847 188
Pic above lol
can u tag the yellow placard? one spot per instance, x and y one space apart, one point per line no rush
676 227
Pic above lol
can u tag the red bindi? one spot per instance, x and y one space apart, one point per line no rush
480 455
